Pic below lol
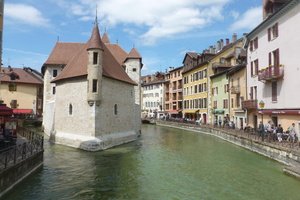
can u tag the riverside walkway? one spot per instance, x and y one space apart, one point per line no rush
287 150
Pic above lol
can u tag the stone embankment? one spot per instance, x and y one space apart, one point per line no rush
284 152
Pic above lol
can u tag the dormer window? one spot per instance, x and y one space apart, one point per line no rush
54 72
95 58
134 69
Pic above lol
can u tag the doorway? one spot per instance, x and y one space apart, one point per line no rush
255 122
275 120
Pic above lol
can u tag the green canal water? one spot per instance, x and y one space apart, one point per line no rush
164 163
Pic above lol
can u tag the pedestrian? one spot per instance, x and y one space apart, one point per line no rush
279 132
261 131
220 122
292 133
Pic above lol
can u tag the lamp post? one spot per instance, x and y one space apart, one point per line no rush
261 107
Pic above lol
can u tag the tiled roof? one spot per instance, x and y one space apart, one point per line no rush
95 41
118 52
63 52
22 76
77 59
105 38
78 66
134 54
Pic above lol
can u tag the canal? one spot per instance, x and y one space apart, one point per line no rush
164 163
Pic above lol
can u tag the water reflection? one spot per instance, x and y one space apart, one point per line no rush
165 163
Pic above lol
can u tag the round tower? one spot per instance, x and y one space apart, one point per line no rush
95 67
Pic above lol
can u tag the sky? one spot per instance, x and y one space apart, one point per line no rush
161 30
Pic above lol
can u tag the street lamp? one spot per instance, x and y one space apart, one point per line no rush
261 107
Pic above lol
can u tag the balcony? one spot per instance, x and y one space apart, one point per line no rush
249 104
271 73
235 89
216 65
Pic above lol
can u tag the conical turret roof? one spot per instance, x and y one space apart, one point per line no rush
134 54
95 41
105 38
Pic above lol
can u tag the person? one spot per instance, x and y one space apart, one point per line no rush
292 133
220 121
261 131
268 130
279 132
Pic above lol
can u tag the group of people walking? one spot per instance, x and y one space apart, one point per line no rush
274 133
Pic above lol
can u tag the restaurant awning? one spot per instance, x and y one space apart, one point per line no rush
22 111
5 111
279 112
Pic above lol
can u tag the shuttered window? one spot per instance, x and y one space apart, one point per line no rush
274 91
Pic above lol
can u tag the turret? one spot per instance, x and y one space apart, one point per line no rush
133 66
95 67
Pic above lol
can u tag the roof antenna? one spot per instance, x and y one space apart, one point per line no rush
117 41
57 38
96 18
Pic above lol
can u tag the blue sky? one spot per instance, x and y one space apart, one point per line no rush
162 30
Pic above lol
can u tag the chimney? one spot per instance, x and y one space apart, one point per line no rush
211 50
222 44
227 41
234 37
218 46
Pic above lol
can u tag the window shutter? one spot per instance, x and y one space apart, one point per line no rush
269 34
270 58
276 30
274 91
251 68
256 67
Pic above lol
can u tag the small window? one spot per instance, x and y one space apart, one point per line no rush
70 109
116 109
134 69
13 104
95 58
12 87
54 74
95 82
54 90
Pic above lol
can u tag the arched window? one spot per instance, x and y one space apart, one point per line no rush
70 109
116 109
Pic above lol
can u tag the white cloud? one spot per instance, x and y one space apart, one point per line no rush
161 18
234 14
25 14
248 20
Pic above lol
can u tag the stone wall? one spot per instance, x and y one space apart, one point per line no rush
10 177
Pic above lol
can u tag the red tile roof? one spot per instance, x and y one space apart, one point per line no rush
95 41
105 38
22 76
113 58
134 54
63 52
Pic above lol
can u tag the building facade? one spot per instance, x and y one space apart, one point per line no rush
174 93
153 103
272 68
22 90
237 94
92 94
220 98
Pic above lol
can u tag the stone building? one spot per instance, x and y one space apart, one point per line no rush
92 94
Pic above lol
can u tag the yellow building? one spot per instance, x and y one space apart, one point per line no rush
195 86
226 57
22 90
238 93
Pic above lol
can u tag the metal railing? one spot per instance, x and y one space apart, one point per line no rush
31 144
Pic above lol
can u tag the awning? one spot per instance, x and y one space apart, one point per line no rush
22 111
4 110
216 111
279 112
